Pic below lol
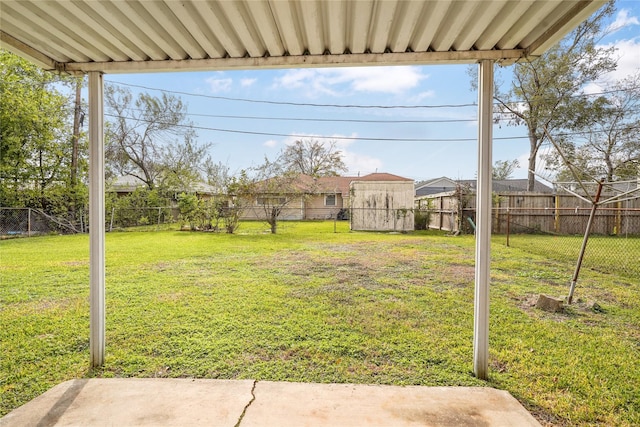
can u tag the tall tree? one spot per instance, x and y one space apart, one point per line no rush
35 153
150 138
314 158
275 187
606 142
75 190
542 92
183 165
218 175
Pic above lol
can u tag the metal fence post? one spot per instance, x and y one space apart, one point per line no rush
594 206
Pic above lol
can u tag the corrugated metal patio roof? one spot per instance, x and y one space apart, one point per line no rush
141 36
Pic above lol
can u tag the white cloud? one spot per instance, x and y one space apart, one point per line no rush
271 143
247 82
422 96
628 56
362 164
377 79
593 89
217 85
334 81
622 20
293 79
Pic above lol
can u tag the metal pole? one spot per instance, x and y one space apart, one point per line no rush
594 206
508 225
483 221
29 222
556 222
96 219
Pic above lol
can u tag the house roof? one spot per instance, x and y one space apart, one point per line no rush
444 184
117 36
380 176
126 184
510 185
129 183
340 184
329 183
435 186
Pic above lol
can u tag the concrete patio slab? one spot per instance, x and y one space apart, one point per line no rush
136 402
198 402
294 404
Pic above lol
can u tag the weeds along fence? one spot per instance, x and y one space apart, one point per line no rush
26 222
121 218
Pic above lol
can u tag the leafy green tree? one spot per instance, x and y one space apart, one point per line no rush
312 157
237 190
503 169
141 207
606 142
183 165
542 92
273 188
35 148
151 139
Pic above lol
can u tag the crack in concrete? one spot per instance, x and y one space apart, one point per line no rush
253 397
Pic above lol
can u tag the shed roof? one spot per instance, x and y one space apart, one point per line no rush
168 35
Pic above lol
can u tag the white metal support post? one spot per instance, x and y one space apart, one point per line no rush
96 219
483 221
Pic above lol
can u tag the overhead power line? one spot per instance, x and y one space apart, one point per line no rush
350 138
363 106
316 119
245 132
297 104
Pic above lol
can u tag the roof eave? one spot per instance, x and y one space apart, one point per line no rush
14 45
342 60
579 13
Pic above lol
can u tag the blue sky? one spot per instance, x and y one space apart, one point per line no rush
207 96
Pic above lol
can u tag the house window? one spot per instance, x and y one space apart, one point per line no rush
330 200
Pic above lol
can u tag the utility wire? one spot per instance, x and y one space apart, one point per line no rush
350 138
297 104
301 104
315 119
245 132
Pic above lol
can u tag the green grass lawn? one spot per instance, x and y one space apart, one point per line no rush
608 254
312 305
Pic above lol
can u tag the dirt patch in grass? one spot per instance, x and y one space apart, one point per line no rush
75 263
53 304
457 275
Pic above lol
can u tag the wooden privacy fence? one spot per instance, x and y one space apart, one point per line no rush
534 213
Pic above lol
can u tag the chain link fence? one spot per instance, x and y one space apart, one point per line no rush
26 222
122 218
613 245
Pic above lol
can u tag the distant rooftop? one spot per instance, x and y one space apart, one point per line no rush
444 185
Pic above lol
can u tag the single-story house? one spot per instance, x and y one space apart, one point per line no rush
331 197
445 185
